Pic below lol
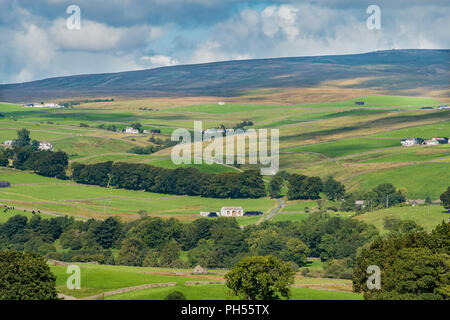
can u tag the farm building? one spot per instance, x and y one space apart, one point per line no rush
360 203
45 145
225 212
253 213
43 105
156 131
131 130
415 202
199 270
431 142
231 212
5 184
359 103
7 143
444 108
408 142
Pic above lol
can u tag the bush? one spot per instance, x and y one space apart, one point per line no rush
175 295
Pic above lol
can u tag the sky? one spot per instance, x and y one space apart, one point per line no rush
114 36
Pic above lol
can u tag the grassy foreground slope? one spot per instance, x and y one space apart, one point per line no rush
98 279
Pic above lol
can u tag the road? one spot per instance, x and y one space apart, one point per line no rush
274 211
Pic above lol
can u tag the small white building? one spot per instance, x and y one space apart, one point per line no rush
221 103
45 145
360 203
408 142
43 105
444 108
204 213
131 130
231 212
7 143
431 142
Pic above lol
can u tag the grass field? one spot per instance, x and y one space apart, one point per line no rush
427 217
417 180
98 279
359 145
66 197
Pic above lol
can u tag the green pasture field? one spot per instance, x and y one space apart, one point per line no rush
441 129
426 216
345 147
299 205
418 180
67 197
221 292
97 279
405 154
4 216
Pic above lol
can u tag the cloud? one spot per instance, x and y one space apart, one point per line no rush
119 35
160 61
94 36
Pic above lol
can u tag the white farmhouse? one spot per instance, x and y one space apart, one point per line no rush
45 145
431 142
408 142
7 143
131 130
231 212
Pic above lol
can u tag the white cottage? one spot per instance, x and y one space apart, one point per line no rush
131 130
45 145
231 212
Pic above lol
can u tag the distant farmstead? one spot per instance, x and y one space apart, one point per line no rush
45 145
231 212
359 103
131 130
7 143
408 142
225 212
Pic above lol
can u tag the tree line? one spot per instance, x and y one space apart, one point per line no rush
180 181
156 242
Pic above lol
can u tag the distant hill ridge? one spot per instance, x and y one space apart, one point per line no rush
391 70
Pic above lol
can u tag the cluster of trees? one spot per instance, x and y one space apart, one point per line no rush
303 187
159 144
183 181
213 243
25 276
26 155
445 198
69 104
382 196
413 266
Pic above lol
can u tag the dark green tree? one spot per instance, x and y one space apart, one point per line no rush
260 278
445 198
25 276
275 186
107 232
23 139
334 190
132 252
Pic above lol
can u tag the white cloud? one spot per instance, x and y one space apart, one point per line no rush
160 60
94 36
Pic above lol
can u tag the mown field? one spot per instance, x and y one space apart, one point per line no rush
98 279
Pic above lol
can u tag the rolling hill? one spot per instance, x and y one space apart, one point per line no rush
388 72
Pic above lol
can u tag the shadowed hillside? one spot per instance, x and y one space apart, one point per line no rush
391 71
